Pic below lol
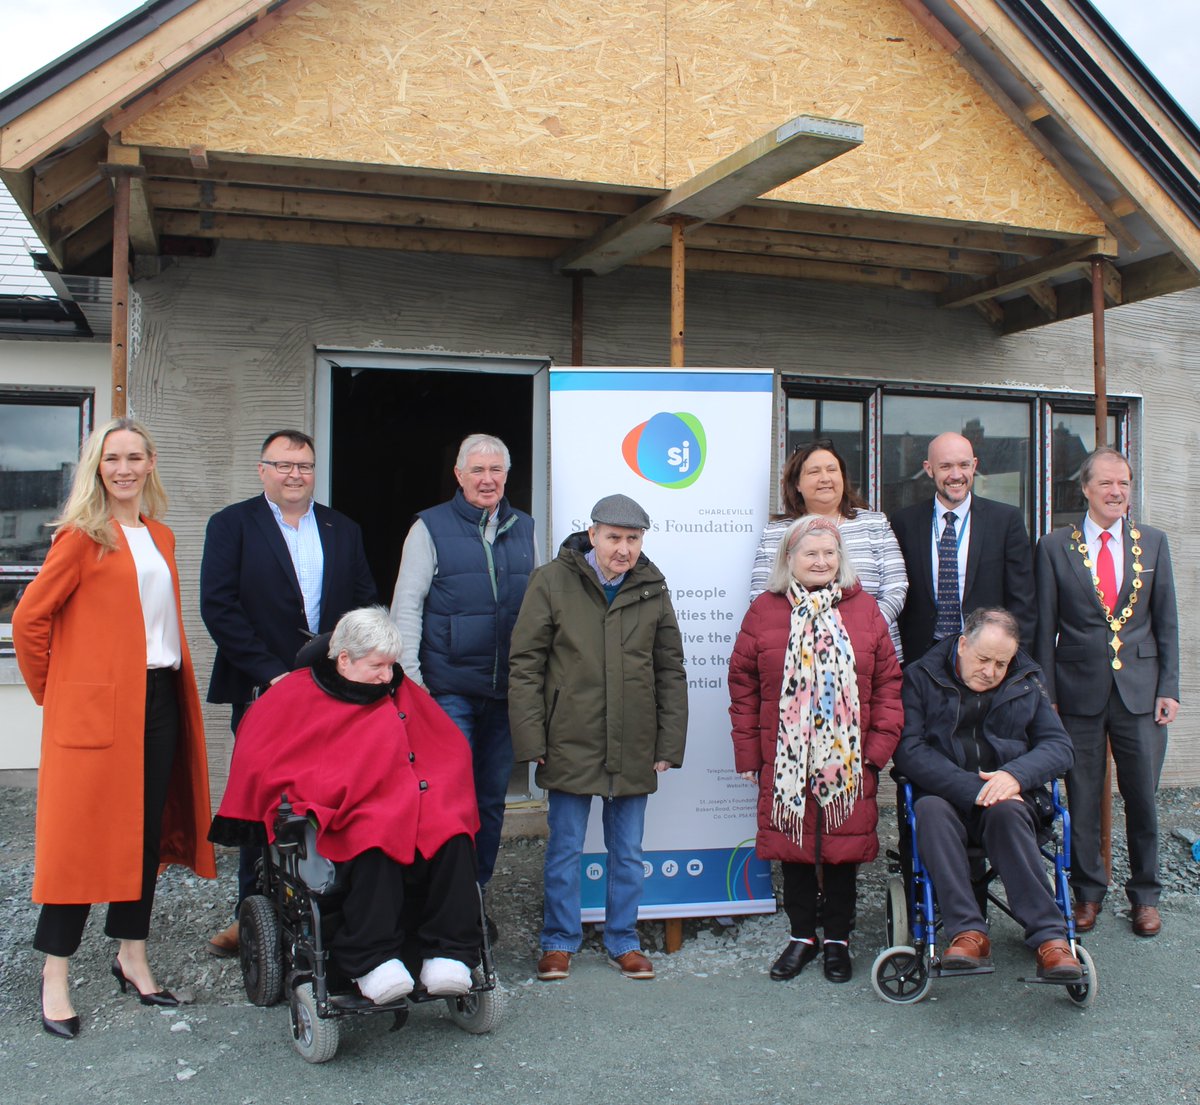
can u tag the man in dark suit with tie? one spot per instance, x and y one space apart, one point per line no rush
277 569
1108 641
962 552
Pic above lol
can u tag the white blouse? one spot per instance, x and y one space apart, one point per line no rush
157 593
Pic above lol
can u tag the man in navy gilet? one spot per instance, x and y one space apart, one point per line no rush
462 577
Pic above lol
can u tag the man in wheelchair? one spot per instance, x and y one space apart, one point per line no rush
386 776
980 742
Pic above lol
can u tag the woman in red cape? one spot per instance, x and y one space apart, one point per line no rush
386 777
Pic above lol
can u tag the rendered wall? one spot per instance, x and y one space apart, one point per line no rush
227 352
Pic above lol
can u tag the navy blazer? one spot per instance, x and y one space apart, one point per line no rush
250 598
1073 634
999 570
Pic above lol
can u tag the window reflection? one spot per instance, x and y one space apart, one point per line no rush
39 447
1073 437
838 420
998 429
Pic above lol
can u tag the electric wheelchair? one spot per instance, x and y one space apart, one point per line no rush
904 971
284 931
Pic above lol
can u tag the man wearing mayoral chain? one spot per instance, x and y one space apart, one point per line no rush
1108 642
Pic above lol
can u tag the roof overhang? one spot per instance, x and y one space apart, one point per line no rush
1054 67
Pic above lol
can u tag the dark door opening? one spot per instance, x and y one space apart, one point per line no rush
394 440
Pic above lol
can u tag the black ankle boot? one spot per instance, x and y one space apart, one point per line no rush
793 959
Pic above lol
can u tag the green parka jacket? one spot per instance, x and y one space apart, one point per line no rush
596 691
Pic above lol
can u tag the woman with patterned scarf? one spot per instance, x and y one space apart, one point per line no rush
815 703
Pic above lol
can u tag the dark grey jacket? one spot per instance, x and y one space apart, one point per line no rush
1021 727
597 691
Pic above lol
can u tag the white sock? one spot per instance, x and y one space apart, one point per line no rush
445 976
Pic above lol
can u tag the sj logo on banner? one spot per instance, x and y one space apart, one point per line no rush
668 449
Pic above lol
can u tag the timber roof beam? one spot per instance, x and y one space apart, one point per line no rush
787 152
1031 273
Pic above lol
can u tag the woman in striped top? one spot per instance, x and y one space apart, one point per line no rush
814 481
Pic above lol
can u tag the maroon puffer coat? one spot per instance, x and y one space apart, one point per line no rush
755 679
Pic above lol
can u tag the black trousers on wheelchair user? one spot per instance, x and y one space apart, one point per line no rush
430 905
1007 831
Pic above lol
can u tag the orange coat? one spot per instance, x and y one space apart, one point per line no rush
81 646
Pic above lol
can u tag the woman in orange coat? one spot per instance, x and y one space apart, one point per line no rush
123 781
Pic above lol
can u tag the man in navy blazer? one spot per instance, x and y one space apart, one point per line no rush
277 570
1108 641
995 561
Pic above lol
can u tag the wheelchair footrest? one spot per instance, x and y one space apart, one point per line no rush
1036 981
356 1003
938 971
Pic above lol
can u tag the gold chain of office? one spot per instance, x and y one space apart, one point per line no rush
1114 623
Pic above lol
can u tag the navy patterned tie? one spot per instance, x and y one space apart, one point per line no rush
949 606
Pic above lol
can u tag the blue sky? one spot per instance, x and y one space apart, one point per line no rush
1162 32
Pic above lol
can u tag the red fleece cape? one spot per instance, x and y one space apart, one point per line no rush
359 770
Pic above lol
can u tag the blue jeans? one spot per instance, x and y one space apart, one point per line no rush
484 722
562 929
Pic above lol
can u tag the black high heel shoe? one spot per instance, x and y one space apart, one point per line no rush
162 997
66 1029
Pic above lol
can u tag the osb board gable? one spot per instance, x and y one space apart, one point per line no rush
625 92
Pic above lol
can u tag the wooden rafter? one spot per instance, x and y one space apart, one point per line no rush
242 200
1024 119
61 116
264 21
58 180
781 155
1020 277
1008 43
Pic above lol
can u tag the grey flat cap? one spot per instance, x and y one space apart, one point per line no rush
620 510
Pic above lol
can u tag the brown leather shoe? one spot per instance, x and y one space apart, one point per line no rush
553 966
633 965
1055 960
1086 916
1147 921
968 949
225 943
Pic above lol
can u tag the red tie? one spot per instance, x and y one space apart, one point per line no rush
1106 573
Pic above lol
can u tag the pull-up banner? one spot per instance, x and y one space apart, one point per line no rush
694 448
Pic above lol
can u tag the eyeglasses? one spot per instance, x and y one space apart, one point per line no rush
285 467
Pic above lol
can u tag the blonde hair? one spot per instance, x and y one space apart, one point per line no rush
87 508
781 570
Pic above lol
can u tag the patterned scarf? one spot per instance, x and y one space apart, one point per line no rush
820 726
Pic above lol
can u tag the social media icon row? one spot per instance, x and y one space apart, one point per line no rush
670 868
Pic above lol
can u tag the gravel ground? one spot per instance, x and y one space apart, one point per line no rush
711 1029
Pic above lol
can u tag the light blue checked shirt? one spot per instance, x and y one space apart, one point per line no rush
308 558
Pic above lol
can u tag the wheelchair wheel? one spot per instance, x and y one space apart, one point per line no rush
1084 993
899 975
315 1039
258 950
896 923
477 1012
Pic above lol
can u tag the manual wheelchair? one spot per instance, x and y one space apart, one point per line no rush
904 971
283 935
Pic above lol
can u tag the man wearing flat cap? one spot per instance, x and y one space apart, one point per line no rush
597 696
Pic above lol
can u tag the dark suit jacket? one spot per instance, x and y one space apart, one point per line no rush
999 570
1072 635
250 597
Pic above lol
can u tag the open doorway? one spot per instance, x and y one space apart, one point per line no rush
394 434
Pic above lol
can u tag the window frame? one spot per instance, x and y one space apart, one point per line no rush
39 395
1043 406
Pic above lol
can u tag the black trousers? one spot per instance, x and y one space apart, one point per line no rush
60 927
1007 831
247 857
1138 748
428 909
800 892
